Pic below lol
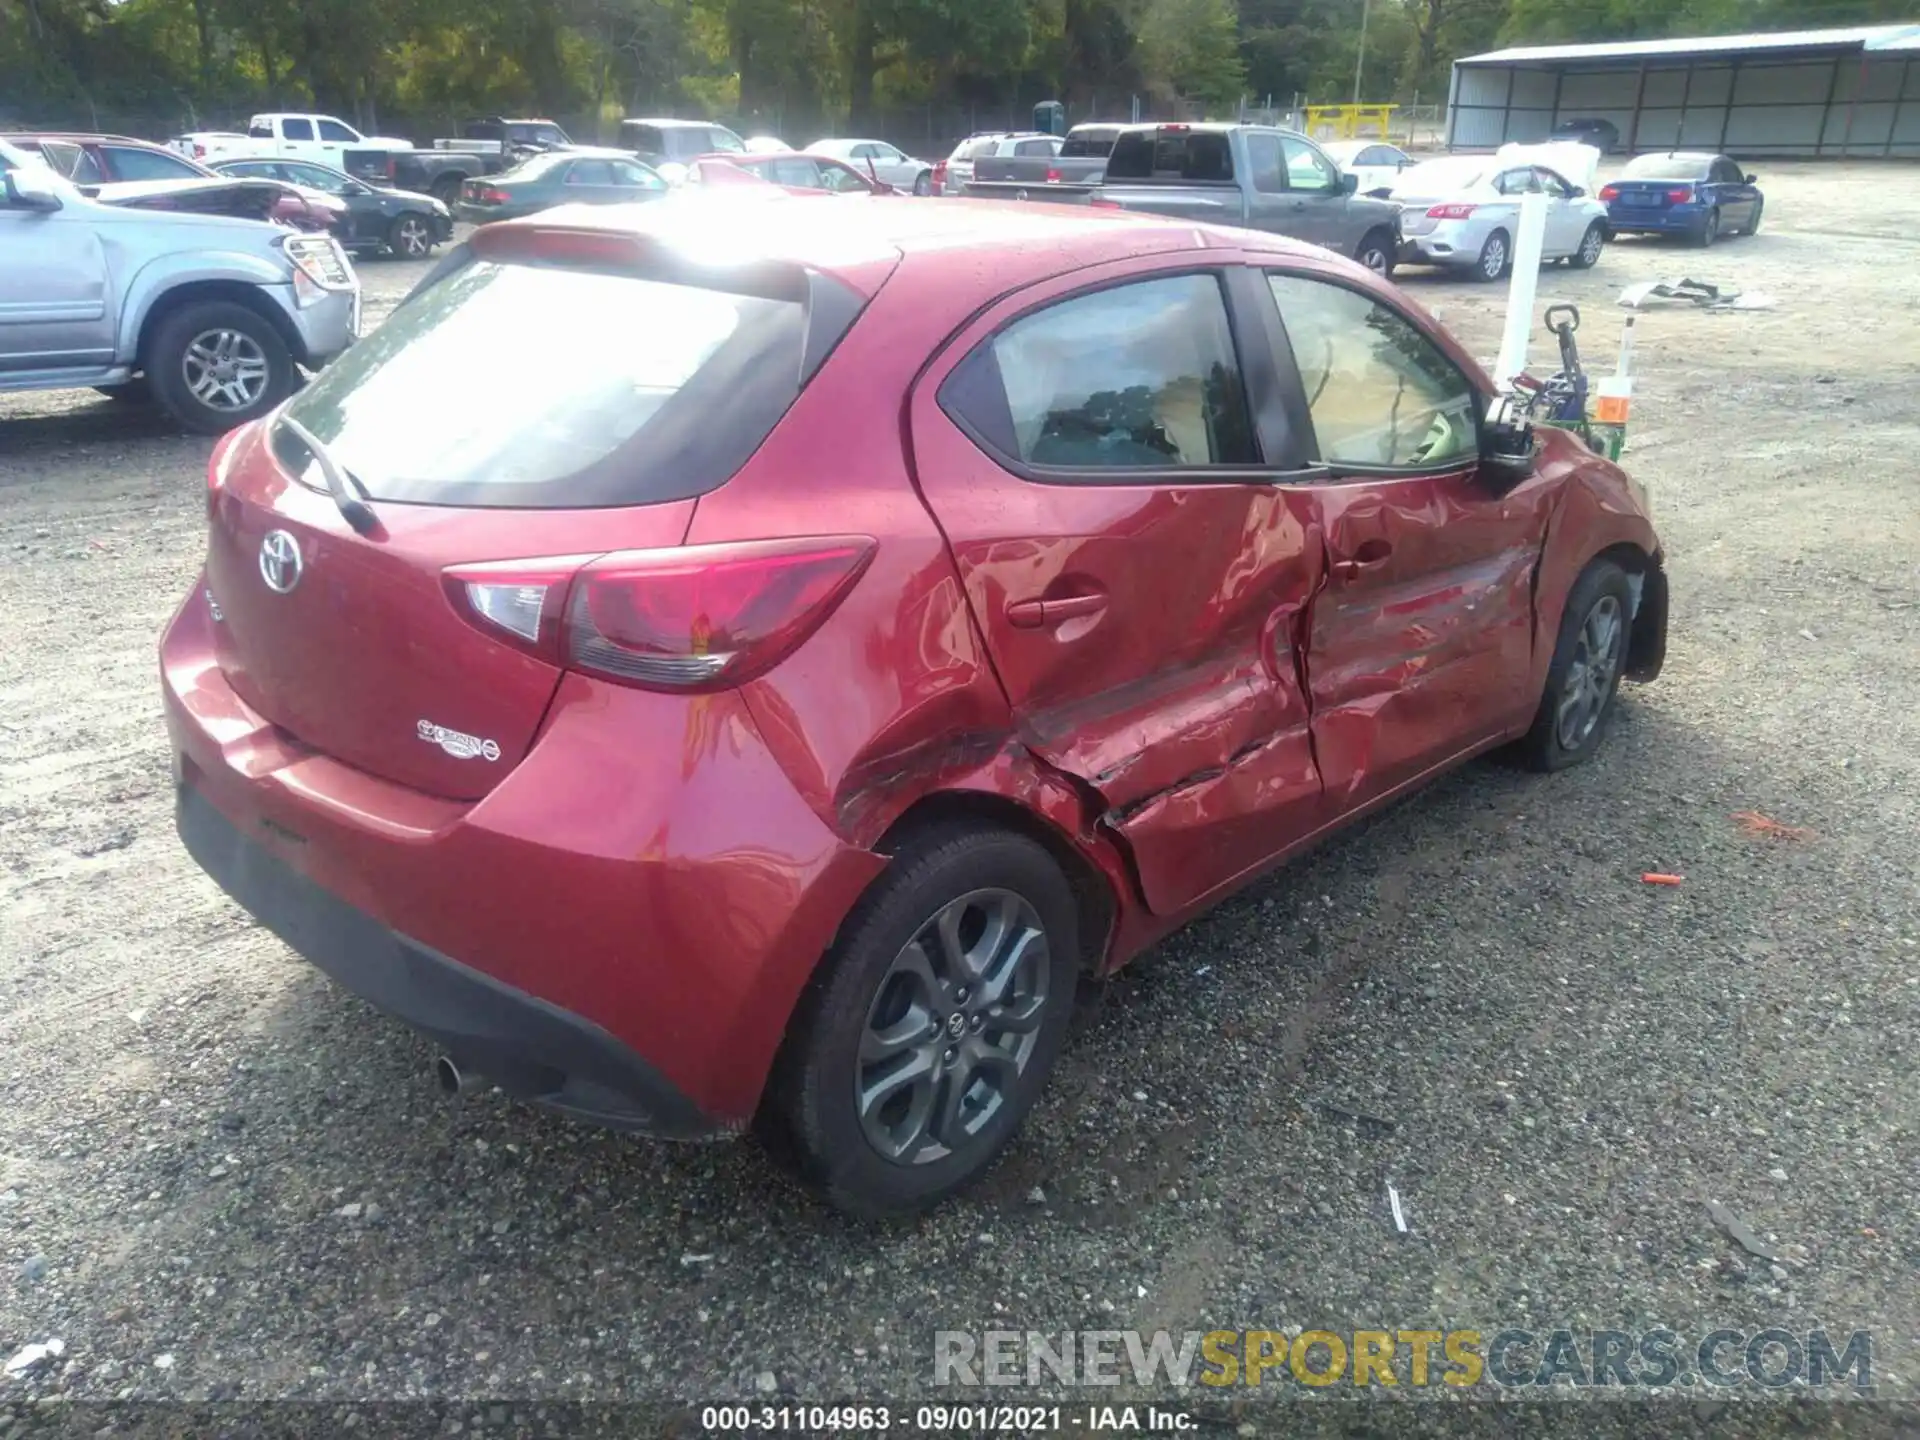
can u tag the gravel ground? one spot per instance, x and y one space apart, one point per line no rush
222 1177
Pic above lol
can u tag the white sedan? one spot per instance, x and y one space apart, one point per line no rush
876 158
1374 163
1463 211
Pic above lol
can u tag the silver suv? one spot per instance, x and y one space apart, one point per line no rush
208 314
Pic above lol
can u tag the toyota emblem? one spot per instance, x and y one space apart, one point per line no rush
280 562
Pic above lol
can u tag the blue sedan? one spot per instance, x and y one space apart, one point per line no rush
1683 192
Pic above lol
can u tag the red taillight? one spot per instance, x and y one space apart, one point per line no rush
1053 175
939 180
485 194
199 151
1680 195
1609 192
1450 212
698 617
1174 129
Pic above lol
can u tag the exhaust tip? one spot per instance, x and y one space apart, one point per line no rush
448 1075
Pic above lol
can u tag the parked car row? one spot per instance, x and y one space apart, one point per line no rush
188 298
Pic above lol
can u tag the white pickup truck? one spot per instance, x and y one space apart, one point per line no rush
321 138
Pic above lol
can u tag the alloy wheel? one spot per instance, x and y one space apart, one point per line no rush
952 1027
1591 247
225 369
411 235
1374 257
1589 681
1493 259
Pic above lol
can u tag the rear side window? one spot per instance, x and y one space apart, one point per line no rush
131 164
1199 157
1141 376
1089 144
974 149
590 172
646 139
296 129
619 411
65 159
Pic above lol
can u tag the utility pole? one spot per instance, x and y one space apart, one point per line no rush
1360 60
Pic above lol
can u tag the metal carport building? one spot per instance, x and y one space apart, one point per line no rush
1852 91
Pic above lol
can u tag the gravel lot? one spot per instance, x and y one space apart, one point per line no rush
222 1177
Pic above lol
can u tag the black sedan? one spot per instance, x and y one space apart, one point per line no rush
408 224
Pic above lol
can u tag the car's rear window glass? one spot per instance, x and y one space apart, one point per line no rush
1441 177
974 149
1198 157
1667 167
441 405
1089 144
533 167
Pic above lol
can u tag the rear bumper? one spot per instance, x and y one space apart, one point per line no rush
1679 220
531 1049
619 929
1444 246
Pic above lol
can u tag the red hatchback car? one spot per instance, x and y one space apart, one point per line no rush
680 748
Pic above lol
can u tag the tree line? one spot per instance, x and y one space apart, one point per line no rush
793 67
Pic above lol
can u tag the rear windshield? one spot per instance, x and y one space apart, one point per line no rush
1440 177
1668 167
1197 157
538 387
974 149
1094 144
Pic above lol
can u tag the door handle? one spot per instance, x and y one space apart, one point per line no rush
1370 556
1034 614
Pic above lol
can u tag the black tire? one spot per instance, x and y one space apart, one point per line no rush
811 1118
166 359
923 183
1709 229
1376 251
1592 244
1552 744
446 188
410 236
129 392
1496 258
1752 227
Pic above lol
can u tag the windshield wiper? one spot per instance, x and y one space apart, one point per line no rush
354 512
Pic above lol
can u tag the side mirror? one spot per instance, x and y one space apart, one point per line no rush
1752 180
1577 191
1349 184
1506 454
24 192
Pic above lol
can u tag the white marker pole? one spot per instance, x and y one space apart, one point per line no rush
1527 246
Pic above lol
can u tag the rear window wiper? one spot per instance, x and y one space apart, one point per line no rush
354 512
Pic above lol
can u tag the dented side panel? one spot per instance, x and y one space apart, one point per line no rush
1170 690
1426 650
